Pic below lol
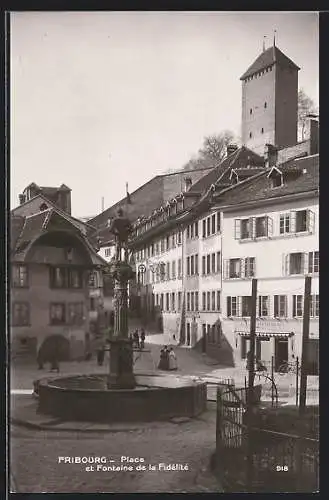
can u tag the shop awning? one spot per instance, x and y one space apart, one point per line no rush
266 334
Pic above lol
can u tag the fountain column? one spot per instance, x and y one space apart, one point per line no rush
121 373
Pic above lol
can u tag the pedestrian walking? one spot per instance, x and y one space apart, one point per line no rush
142 338
100 355
136 338
172 360
163 359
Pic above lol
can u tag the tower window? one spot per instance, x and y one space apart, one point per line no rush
262 130
250 135
265 105
250 111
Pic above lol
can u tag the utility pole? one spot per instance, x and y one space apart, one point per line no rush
251 377
306 331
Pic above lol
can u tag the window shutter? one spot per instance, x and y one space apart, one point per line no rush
293 221
285 264
226 268
285 305
276 306
228 307
305 263
243 263
237 229
310 221
239 305
252 225
259 305
269 226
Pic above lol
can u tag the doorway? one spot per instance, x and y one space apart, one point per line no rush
281 353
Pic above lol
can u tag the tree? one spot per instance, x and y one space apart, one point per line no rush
306 106
212 151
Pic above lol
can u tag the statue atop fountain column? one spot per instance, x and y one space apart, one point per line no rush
121 353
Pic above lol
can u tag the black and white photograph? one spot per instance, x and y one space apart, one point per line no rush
163 321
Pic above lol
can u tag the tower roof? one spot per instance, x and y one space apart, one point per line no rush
271 56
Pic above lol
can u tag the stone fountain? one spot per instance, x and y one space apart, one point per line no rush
120 395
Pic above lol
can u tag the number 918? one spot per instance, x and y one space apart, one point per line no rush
281 468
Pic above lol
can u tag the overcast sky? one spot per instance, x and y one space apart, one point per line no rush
101 98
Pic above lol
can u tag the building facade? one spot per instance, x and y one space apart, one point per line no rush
54 269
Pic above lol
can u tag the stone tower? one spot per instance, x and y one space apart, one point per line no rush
269 101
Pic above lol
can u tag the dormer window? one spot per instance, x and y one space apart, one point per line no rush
276 178
43 207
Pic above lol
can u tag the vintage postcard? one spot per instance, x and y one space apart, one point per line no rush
164 252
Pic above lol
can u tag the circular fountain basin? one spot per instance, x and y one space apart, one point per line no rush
155 397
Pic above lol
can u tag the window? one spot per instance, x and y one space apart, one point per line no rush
250 111
246 305
313 262
167 243
173 269
213 301
208 226
262 131
173 305
276 179
57 314
231 304
314 304
196 300
107 252
196 229
213 262
213 224
218 222
167 301
168 271
204 228
218 300
20 314
192 264
250 135
208 301
280 306
301 221
245 229
19 276
75 313
296 263
284 223
192 301
265 103
208 264
263 305
93 279
64 277
161 301
188 301
162 245
179 238
218 262
179 268
173 241
297 306
179 300
234 268
196 264
249 267
261 227
203 264
203 301
188 266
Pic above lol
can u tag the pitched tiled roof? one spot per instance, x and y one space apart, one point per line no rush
239 159
33 226
271 56
16 226
259 187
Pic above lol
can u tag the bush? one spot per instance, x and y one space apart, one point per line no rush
286 419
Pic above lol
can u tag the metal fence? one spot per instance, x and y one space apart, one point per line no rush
279 462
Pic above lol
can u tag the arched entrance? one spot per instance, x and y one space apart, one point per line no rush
55 345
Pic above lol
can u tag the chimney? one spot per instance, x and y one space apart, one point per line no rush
231 148
270 155
188 183
21 198
314 136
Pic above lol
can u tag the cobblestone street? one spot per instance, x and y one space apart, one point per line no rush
35 467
